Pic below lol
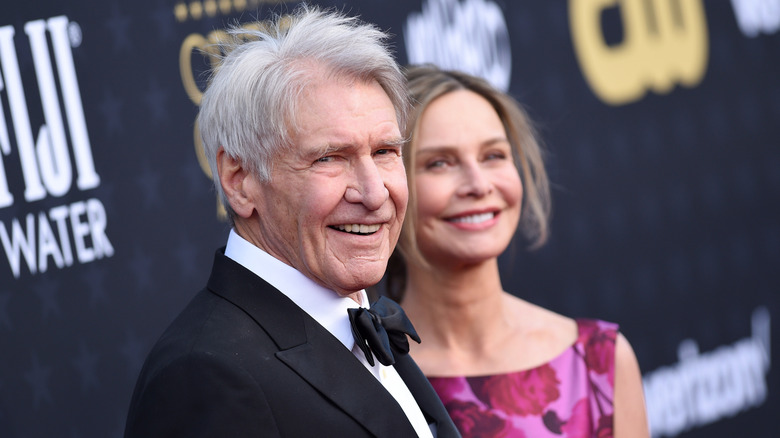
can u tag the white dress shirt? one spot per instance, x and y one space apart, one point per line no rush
330 310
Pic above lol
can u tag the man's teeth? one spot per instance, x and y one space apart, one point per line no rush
474 218
359 228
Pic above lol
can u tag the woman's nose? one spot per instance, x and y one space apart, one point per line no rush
474 181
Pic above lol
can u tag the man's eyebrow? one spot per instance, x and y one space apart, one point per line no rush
326 149
395 141
329 148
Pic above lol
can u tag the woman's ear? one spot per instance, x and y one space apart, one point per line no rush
235 180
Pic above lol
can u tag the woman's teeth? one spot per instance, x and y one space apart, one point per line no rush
474 218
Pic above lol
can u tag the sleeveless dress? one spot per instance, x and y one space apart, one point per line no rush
569 397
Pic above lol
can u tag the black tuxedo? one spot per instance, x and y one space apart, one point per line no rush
242 360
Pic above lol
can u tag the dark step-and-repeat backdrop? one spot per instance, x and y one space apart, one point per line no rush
662 122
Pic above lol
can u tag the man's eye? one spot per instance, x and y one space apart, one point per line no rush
325 159
387 151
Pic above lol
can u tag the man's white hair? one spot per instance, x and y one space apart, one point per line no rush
250 103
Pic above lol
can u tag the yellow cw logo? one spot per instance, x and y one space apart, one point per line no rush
665 42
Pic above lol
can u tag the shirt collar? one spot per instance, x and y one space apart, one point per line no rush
324 305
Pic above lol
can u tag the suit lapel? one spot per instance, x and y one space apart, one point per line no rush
310 350
334 371
426 397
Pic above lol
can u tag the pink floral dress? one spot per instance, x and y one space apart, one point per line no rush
570 396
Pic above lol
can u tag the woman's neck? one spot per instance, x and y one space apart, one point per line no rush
456 308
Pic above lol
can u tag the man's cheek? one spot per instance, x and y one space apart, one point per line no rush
396 183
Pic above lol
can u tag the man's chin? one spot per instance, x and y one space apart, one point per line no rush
346 277
348 286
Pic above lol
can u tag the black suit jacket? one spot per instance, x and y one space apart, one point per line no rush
242 360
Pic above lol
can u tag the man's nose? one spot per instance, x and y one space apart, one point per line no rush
367 186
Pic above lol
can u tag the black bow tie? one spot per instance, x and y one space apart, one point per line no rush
375 329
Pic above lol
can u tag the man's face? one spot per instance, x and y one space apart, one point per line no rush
334 206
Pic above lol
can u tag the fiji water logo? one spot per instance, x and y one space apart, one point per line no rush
45 159
65 234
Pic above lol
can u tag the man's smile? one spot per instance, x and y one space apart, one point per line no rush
357 228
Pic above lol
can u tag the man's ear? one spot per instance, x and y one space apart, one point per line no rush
236 181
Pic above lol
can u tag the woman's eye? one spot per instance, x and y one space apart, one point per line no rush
435 164
495 156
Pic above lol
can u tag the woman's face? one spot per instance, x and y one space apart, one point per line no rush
469 191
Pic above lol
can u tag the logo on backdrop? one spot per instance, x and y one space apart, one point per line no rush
470 36
665 42
757 16
704 388
44 156
198 44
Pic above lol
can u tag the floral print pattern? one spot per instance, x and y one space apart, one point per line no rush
523 394
570 396
475 420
